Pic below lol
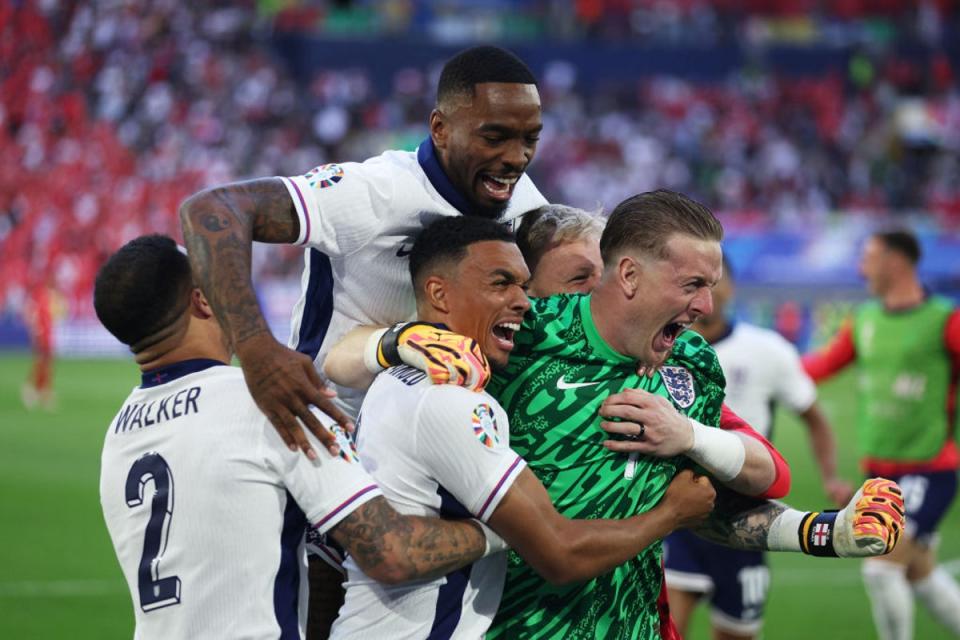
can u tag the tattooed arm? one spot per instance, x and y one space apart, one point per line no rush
869 525
219 227
740 521
393 548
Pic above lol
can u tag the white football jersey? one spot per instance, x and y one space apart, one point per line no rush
435 450
761 369
207 507
359 221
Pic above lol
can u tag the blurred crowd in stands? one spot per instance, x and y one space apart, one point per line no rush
112 112
697 22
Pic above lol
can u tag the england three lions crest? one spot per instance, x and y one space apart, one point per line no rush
679 384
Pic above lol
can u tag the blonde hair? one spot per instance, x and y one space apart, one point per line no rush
552 225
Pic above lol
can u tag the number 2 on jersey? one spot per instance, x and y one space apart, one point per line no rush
155 592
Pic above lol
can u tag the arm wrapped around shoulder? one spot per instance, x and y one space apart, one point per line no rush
447 357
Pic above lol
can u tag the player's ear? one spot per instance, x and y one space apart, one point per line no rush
436 290
199 306
438 129
628 275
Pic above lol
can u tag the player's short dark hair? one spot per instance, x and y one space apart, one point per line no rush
903 241
447 240
552 224
477 65
646 221
142 288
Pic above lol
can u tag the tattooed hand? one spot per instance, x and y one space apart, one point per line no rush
219 227
284 383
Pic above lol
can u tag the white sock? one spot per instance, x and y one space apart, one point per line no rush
891 598
940 594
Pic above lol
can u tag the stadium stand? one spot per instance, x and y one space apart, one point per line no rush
113 112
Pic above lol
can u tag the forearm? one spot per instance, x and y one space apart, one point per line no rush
345 363
741 522
834 357
738 461
869 525
435 547
590 548
219 227
563 550
392 548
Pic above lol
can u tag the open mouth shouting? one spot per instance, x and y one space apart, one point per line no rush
664 340
499 188
503 333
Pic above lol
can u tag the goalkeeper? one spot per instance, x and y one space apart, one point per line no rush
651 288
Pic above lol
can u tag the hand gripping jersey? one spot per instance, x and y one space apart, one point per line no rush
434 451
358 222
206 507
761 369
559 373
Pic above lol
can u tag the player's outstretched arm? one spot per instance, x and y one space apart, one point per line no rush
564 551
869 525
219 227
654 427
393 548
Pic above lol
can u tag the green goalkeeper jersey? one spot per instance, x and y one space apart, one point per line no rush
559 373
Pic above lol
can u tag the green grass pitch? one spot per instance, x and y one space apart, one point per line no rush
60 579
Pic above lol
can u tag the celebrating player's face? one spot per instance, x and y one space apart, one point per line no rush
572 267
672 293
486 300
487 141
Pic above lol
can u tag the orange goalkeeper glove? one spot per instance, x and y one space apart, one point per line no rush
445 356
870 525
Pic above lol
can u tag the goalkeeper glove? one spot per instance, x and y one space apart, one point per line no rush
446 357
870 524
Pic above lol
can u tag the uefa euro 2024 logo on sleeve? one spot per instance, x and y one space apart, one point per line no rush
326 175
348 450
485 425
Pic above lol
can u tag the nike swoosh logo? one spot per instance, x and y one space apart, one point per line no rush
563 384
404 251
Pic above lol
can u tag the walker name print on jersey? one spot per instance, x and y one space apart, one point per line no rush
679 384
485 425
326 175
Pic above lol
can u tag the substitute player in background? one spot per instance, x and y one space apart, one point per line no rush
223 555
761 369
906 348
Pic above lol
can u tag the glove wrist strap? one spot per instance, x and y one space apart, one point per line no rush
816 532
388 353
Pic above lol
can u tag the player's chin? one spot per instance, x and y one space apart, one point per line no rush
497 357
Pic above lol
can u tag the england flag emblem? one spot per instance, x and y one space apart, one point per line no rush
821 533
679 384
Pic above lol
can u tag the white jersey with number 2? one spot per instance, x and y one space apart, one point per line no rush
207 507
